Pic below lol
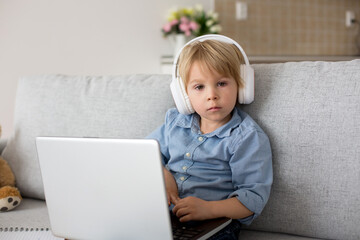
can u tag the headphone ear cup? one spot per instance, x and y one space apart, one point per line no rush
247 93
180 96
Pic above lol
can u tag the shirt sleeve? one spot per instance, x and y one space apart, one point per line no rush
252 174
161 134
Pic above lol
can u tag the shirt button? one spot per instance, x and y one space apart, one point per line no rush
188 154
184 168
182 178
200 139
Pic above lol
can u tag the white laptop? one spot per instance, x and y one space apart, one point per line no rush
109 189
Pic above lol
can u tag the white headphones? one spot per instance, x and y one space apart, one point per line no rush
245 95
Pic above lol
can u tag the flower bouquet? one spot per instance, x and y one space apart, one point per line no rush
191 22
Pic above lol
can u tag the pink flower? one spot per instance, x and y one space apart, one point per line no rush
188 33
193 26
167 27
184 20
184 27
174 22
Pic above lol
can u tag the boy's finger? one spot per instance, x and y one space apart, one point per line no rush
174 199
168 196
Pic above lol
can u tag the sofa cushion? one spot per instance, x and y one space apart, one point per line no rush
58 105
311 112
30 215
258 235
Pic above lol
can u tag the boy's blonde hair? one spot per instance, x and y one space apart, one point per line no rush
213 55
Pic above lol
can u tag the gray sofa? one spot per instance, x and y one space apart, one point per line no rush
310 111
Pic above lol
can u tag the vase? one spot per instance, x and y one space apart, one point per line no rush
179 40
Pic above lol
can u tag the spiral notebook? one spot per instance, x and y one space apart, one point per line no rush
109 189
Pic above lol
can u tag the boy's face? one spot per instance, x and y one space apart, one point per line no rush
212 96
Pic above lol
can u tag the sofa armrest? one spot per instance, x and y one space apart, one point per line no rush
2 145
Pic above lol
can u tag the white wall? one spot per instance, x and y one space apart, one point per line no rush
87 37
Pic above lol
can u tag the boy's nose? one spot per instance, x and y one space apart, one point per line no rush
212 95
212 98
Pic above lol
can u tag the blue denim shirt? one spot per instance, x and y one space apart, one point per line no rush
233 161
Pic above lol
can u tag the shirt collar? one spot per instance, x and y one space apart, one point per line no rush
192 121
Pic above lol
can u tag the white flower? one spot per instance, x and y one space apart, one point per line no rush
209 22
213 15
215 28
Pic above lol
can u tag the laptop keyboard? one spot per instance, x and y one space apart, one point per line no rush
184 232
196 229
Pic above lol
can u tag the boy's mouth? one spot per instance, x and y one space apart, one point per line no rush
213 109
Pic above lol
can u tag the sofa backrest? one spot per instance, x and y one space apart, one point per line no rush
81 106
3 143
310 110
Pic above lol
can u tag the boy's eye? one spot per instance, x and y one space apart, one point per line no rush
199 87
221 84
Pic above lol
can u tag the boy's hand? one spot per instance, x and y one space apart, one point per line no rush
171 188
192 208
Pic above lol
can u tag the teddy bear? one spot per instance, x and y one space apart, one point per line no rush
9 195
